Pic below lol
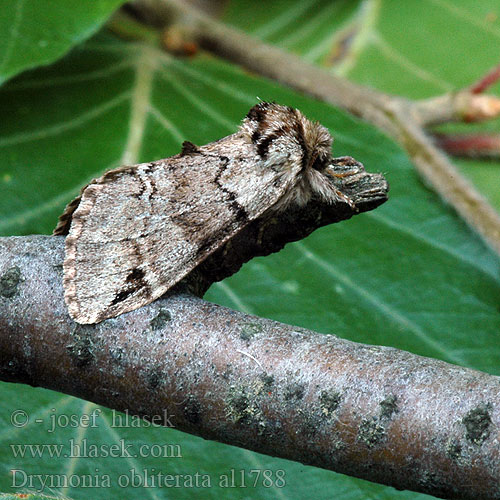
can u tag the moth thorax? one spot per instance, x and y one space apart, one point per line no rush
285 139
311 183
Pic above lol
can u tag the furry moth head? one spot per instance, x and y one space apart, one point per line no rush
284 138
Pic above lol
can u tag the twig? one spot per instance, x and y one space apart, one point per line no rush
470 145
487 81
373 412
456 107
396 116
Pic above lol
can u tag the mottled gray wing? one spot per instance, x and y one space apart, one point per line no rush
137 231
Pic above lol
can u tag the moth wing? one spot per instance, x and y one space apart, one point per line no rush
137 231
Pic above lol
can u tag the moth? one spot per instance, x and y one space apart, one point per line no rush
138 230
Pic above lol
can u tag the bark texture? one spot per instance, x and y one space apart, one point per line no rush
373 412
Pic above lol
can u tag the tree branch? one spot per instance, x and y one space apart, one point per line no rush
485 146
486 81
455 107
373 412
400 118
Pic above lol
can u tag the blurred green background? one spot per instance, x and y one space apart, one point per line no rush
77 100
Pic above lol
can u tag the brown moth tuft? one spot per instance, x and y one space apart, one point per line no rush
138 230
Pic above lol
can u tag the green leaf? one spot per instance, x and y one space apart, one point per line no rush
410 274
38 32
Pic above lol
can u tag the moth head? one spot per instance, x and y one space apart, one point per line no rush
282 131
284 138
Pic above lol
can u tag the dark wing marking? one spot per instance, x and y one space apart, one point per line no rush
188 148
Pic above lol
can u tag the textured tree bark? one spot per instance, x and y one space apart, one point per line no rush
373 412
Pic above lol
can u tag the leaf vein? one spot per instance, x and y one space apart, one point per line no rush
64 126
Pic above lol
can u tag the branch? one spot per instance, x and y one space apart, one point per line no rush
487 81
485 146
373 412
397 116
455 107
